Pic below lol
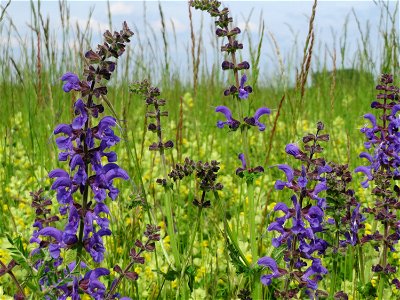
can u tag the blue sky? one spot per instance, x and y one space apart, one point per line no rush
283 19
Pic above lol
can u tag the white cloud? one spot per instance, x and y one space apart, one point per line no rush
121 8
179 26
249 26
13 42
94 25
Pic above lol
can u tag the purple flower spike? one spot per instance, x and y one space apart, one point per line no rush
231 122
367 172
72 82
271 264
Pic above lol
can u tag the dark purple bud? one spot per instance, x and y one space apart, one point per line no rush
132 275
341 296
387 78
152 127
154 147
234 31
244 65
220 32
92 56
226 65
117 269
378 268
168 144
396 282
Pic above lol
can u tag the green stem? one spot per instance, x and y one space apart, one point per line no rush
361 264
86 190
253 234
335 257
229 236
383 261
191 244
168 195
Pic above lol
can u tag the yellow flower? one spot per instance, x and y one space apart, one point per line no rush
249 257
373 282
271 206
174 283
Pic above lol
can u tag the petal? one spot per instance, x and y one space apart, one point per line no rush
51 231
69 76
96 273
224 110
292 149
76 160
281 206
320 187
367 156
243 80
64 142
61 182
288 171
371 118
268 262
266 279
64 128
116 173
54 250
101 207
58 173
106 122
261 111
395 109
261 126
364 170
241 157
279 185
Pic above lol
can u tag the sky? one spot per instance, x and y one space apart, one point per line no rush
286 21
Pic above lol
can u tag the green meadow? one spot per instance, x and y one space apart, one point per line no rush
199 260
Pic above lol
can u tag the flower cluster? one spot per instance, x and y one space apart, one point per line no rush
152 234
343 208
234 124
206 175
239 90
301 224
85 145
383 143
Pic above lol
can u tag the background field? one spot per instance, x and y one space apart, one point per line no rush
32 104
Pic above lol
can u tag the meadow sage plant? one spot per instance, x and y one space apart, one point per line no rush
240 92
383 168
301 224
82 190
